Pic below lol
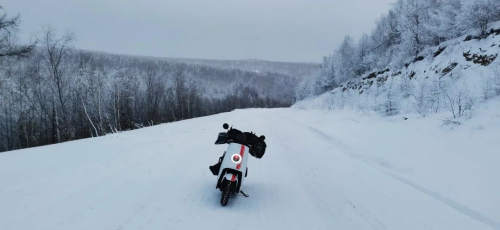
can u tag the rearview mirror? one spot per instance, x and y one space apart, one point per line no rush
225 126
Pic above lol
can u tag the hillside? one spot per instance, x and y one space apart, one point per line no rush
322 170
214 79
99 93
295 70
453 78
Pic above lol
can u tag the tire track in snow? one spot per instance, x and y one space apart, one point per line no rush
343 148
329 208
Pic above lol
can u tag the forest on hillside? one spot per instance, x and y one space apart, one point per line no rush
51 92
399 36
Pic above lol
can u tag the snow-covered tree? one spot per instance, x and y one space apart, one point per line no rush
327 79
363 49
391 106
384 39
421 99
414 34
442 21
476 14
346 60
406 86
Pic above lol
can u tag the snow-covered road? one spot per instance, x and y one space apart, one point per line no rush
316 174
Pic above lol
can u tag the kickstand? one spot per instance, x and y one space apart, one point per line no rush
244 194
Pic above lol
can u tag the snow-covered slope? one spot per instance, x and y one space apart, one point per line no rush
460 72
322 170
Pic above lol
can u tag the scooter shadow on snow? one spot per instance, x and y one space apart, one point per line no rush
258 194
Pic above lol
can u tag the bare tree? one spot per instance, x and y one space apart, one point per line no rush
496 79
8 31
487 87
421 100
55 52
391 104
155 87
180 91
460 101
406 87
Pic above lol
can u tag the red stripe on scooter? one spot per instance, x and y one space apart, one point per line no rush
242 153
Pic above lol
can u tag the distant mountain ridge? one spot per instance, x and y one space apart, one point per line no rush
297 70
293 69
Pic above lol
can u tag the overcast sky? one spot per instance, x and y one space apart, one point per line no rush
277 30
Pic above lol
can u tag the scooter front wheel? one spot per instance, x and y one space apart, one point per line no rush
225 194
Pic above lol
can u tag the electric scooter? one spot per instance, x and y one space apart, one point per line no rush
233 168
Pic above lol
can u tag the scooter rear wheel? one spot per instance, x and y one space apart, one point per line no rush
225 194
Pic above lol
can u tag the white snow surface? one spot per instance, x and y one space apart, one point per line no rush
322 170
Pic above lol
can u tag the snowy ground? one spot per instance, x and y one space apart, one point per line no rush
322 170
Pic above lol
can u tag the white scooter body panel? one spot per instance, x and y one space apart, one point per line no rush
227 162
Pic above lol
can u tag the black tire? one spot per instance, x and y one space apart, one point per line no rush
225 194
